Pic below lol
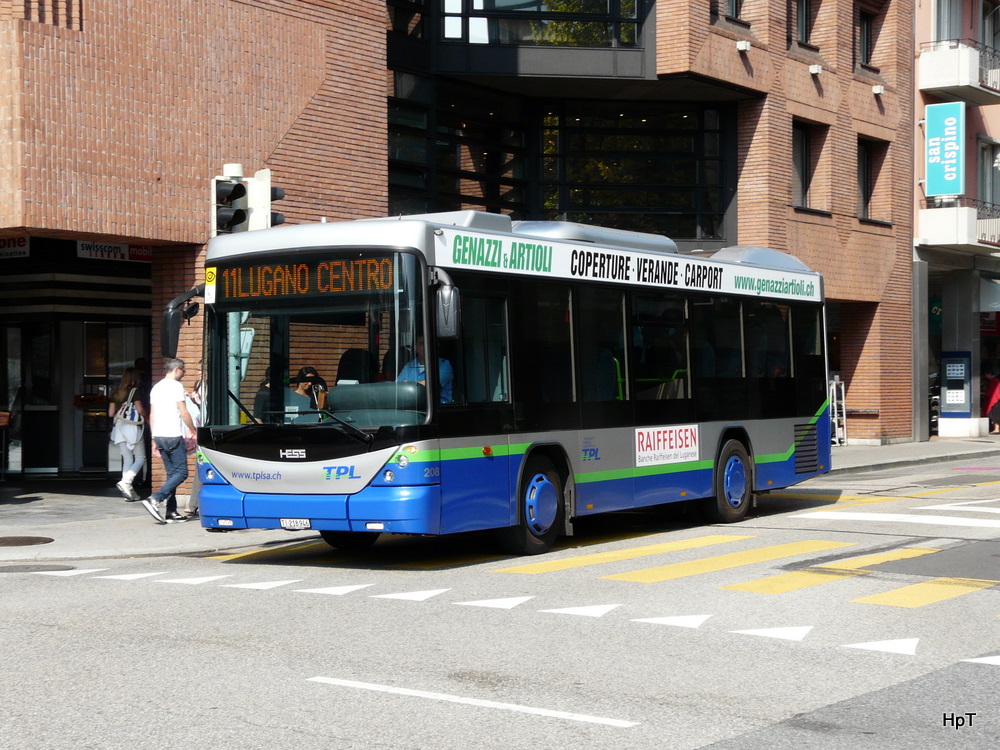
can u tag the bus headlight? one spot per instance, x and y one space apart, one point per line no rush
209 474
403 462
389 476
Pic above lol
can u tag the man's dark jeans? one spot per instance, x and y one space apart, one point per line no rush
174 455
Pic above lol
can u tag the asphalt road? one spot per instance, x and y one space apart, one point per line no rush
857 611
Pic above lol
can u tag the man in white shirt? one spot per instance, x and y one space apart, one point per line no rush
168 416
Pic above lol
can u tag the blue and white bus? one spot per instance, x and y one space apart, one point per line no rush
568 370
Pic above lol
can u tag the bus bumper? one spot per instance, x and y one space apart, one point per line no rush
399 510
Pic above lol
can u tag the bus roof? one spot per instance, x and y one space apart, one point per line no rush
476 240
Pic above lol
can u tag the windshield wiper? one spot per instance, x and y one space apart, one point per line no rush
355 432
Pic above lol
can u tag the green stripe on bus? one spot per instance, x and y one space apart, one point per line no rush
426 455
771 458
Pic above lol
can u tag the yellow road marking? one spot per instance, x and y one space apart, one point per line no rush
272 551
928 592
724 562
625 554
785 582
446 562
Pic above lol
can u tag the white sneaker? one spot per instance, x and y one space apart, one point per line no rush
127 491
151 506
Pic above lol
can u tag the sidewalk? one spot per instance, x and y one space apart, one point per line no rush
72 519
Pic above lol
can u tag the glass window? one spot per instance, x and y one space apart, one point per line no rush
602 345
768 339
866 37
543 364
802 165
659 341
341 352
803 21
481 362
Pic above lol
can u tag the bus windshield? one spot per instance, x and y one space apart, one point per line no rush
317 339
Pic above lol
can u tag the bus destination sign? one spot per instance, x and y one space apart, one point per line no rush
557 259
301 277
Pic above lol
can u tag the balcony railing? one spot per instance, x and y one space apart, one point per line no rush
987 215
952 61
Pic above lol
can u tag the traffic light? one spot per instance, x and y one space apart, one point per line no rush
230 201
262 195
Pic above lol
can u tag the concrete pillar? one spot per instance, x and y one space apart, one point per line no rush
921 352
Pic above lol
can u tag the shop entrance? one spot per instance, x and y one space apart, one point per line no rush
56 383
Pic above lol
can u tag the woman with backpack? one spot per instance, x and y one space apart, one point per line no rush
129 414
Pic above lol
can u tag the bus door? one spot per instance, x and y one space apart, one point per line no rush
476 423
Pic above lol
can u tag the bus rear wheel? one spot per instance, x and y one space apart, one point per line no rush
733 484
349 540
540 510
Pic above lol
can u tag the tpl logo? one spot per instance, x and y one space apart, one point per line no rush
292 453
340 472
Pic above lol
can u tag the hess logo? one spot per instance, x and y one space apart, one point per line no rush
292 453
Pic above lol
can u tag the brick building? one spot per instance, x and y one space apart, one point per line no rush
716 122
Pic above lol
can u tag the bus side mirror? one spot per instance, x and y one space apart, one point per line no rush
178 310
448 310
170 332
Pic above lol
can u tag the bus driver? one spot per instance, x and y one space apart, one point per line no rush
414 371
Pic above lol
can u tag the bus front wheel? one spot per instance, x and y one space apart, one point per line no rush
733 483
349 540
539 508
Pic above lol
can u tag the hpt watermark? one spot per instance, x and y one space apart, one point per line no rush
958 721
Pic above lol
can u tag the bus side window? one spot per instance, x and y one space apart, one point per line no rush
601 344
479 361
660 347
542 363
768 340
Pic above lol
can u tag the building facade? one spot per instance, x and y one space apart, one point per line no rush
957 208
716 122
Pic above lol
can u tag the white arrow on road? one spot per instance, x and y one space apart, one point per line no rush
415 596
787 634
498 603
901 646
682 621
598 610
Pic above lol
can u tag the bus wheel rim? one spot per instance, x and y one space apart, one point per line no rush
541 504
734 479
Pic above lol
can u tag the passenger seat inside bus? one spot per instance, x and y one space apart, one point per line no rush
358 365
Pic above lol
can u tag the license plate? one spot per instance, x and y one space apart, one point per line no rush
295 523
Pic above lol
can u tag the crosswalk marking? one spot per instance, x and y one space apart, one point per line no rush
264 586
67 573
724 562
192 581
551 566
680 621
131 576
851 515
900 646
335 590
596 610
785 634
963 506
927 592
835 571
498 603
994 660
412 596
